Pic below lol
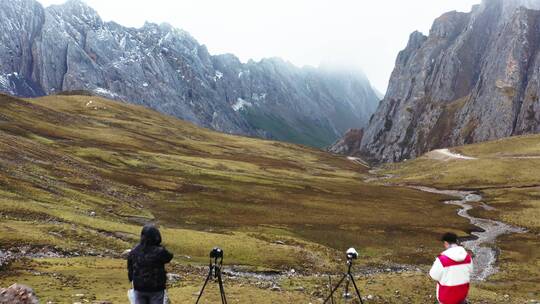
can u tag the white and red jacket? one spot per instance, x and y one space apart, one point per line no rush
452 270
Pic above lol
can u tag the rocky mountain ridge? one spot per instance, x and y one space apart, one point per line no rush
69 47
475 77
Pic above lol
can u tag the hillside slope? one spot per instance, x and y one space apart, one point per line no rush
473 79
68 47
80 174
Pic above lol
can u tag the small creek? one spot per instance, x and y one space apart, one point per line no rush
483 245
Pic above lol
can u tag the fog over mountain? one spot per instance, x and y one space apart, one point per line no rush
474 78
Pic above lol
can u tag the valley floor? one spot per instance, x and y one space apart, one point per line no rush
78 181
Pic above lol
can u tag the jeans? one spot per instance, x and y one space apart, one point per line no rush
150 297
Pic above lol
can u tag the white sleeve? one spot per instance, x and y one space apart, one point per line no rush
436 270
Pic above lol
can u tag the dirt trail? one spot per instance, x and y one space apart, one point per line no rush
446 154
483 246
358 161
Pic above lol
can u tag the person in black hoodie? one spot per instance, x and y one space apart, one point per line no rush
146 267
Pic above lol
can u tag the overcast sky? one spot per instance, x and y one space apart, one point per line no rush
367 34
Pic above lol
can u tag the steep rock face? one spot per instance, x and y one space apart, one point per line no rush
68 47
474 78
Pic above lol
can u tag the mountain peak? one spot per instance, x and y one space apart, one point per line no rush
78 11
509 6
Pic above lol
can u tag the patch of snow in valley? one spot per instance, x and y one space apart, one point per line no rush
240 104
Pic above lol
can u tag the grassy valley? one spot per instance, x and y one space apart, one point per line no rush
79 175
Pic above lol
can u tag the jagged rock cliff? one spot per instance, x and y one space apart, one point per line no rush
68 47
476 77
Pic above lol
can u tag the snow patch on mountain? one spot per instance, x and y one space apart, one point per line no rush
4 81
105 92
241 104
219 75
259 97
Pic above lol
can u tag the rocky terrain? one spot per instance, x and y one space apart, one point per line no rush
474 78
68 47
349 144
18 294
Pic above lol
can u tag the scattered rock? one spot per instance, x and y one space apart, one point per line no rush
18 294
173 277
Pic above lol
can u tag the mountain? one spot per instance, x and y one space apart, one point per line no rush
68 47
476 77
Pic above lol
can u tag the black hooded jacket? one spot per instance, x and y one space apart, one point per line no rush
146 262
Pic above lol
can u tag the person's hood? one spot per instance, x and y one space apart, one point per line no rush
456 253
150 236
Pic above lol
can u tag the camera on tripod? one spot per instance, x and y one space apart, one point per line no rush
347 277
352 254
216 253
214 270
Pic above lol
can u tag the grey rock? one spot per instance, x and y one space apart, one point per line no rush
474 78
18 294
173 278
68 47
349 144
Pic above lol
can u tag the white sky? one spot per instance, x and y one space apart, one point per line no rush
361 33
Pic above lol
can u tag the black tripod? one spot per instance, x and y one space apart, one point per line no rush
349 278
216 261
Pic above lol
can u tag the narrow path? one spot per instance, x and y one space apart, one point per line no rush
358 161
446 154
483 246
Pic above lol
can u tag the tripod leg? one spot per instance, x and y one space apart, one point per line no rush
330 288
356 288
335 288
221 288
205 282
347 295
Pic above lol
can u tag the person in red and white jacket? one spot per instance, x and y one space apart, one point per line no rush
452 270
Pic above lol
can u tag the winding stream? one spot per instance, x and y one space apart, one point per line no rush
485 252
